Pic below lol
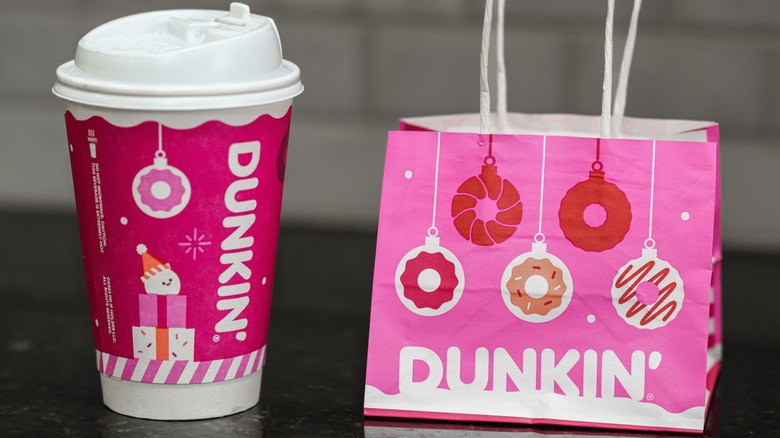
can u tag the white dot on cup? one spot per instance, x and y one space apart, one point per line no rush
408 174
241 336
96 322
264 280
591 318
685 216
71 147
123 220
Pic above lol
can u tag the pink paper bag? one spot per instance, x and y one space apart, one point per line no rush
548 279
549 274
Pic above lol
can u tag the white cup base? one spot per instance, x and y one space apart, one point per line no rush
181 402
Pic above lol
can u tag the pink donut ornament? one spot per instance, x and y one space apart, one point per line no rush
161 191
429 279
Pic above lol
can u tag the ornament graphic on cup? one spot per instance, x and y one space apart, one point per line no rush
161 190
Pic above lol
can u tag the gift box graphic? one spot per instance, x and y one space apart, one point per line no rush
162 314
162 310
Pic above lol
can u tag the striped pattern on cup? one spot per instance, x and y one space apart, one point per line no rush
179 371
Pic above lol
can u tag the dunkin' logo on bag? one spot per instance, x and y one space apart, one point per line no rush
533 372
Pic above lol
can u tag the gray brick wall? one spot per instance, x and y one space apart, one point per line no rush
366 63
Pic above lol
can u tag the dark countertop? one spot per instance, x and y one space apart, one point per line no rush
313 381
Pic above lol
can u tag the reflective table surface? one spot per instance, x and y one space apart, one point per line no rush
313 380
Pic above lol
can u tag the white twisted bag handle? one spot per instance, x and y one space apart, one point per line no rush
606 96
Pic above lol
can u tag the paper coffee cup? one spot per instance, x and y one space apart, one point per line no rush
177 124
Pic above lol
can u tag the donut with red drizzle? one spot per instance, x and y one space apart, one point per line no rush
648 312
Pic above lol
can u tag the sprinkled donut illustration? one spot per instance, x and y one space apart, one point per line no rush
487 187
536 286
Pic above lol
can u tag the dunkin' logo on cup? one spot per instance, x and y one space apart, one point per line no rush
236 248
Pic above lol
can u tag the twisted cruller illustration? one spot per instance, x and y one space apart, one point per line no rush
487 187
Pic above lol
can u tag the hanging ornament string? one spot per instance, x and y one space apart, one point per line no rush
537 286
597 165
490 159
496 223
650 243
433 231
429 279
648 292
160 152
539 237
161 190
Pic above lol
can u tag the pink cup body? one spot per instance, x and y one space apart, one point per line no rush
179 220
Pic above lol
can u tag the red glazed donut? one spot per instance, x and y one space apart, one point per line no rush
483 231
410 280
595 191
518 282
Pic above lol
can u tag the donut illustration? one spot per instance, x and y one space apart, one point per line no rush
536 286
648 311
487 187
161 191
595 190
429 279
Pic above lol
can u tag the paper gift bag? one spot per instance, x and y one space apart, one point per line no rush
554 276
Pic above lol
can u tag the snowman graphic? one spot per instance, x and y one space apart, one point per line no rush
162 312
158 278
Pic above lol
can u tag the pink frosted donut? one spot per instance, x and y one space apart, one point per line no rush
410 280
174 198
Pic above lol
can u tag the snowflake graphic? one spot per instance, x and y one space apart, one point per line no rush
195 244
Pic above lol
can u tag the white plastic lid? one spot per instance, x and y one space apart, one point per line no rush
179 60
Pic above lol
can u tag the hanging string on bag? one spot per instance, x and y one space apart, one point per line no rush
609 116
